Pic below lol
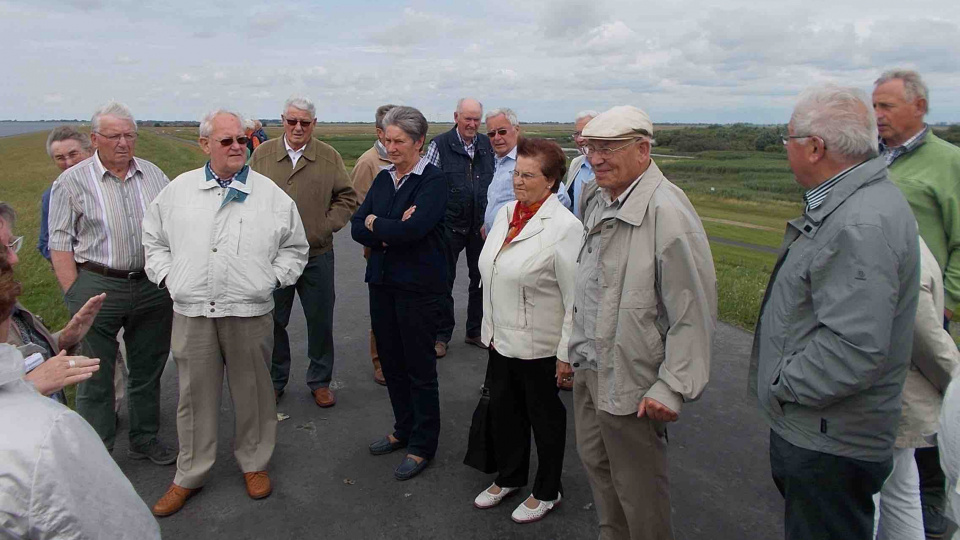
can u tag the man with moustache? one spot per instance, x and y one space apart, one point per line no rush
927 170
96 210
466 159
220 239
313 175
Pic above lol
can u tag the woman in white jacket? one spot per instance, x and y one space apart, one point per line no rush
527 268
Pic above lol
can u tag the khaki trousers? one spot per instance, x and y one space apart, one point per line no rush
202 348
626 462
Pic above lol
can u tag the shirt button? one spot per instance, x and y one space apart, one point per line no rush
214 250
576 364
212 310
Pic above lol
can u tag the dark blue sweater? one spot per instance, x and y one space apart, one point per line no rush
413 258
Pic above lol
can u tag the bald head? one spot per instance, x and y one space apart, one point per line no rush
468 115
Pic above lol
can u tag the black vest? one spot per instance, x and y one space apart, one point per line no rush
467 179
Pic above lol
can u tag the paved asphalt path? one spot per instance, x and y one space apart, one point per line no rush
327 485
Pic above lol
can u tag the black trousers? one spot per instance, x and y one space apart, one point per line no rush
457 242
524 395
405 325
826 497
933 482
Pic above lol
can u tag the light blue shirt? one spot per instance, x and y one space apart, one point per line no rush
501 192
584 176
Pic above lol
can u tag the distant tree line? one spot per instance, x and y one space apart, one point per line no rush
722 137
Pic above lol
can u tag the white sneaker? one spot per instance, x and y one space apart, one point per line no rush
528 515
488 500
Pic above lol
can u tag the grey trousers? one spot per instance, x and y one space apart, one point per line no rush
626 462
202 349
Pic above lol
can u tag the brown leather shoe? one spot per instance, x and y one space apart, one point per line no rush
475 341
378 377
324 397
173 500
441 349
258 484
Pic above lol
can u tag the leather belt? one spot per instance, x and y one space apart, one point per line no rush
110 272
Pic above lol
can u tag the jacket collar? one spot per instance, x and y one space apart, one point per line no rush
536 223
309 151
634 208
239 180
864 174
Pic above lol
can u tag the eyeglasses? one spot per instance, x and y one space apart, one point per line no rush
606 152
228 142
576 134
501 132
115 139
15 244
786 138
292 122
525 176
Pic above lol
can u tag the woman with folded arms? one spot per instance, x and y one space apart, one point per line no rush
401 221
527 267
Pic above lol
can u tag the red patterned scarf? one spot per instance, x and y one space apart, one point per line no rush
521 215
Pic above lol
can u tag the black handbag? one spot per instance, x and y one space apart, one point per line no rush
480 452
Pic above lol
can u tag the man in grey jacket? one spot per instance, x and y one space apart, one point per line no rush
835 332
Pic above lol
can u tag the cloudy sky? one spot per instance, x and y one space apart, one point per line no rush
681 60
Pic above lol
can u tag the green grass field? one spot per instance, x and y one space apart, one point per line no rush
742 196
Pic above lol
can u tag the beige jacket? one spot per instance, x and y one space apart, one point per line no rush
934 358
368 166
319 184
658 309
528 285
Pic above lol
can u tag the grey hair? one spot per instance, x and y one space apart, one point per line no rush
461 100
113 108
841 116
302 103
206 125
8 215
67 133
589 113
381 112
913 85
409 120
511 116
249 123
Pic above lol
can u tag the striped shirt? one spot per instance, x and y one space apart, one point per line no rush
98 217
417 169
816 196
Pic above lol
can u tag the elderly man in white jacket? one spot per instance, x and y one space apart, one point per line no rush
220 239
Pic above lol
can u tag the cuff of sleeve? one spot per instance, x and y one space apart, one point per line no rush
661 392
949 302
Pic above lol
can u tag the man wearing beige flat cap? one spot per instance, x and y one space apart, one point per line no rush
643 320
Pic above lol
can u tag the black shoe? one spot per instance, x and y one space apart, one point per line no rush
155 451
386 446
934 524
475 341
409 468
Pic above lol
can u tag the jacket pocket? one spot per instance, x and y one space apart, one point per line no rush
637 341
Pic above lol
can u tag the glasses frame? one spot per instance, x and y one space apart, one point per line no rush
292 122
115 139
605 153
228 141
526 176
15 244
785 138
501 132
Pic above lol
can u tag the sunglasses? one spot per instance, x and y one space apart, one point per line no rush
228 142
501 132
292 122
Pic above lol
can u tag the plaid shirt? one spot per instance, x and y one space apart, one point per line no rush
433 153
891 154
398 181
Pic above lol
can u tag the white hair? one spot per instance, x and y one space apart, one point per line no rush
589 113
841 116
461 100
913 86
206 125
302 103
112 108
508 113
249 124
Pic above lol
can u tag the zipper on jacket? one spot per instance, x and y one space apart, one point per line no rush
523 292
239 236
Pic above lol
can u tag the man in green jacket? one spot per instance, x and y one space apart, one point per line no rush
313 175
927 170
